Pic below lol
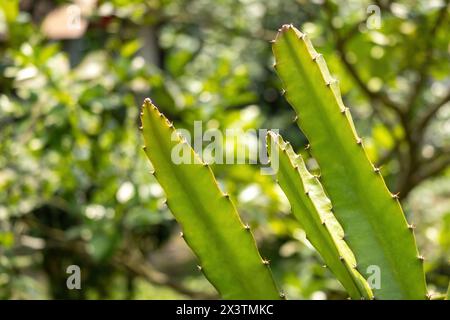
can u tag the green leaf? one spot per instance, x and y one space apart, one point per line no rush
130 48
313 210
211 225
10 10
375 226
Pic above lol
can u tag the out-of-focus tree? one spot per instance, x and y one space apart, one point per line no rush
74 187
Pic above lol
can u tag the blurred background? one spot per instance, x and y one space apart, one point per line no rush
74 182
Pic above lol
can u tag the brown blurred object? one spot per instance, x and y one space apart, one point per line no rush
37 9
68 21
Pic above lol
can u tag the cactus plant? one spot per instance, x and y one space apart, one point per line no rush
373 220
211 225
313 210
349 216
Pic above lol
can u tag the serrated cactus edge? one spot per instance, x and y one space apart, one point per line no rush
313 210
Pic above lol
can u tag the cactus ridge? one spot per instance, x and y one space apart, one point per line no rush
212 228
313 210
376 228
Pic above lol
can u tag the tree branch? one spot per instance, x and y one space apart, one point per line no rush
432 110
340 44
427 60
134 262
433 168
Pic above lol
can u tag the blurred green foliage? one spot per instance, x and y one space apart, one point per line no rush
74 187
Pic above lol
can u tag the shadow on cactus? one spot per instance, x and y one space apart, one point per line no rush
348 214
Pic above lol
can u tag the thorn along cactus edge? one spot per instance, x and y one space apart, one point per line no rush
349 216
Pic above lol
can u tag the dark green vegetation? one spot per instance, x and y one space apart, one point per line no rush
74 187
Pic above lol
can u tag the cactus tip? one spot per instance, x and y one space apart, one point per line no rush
147 101
285 27
266 262
199 268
